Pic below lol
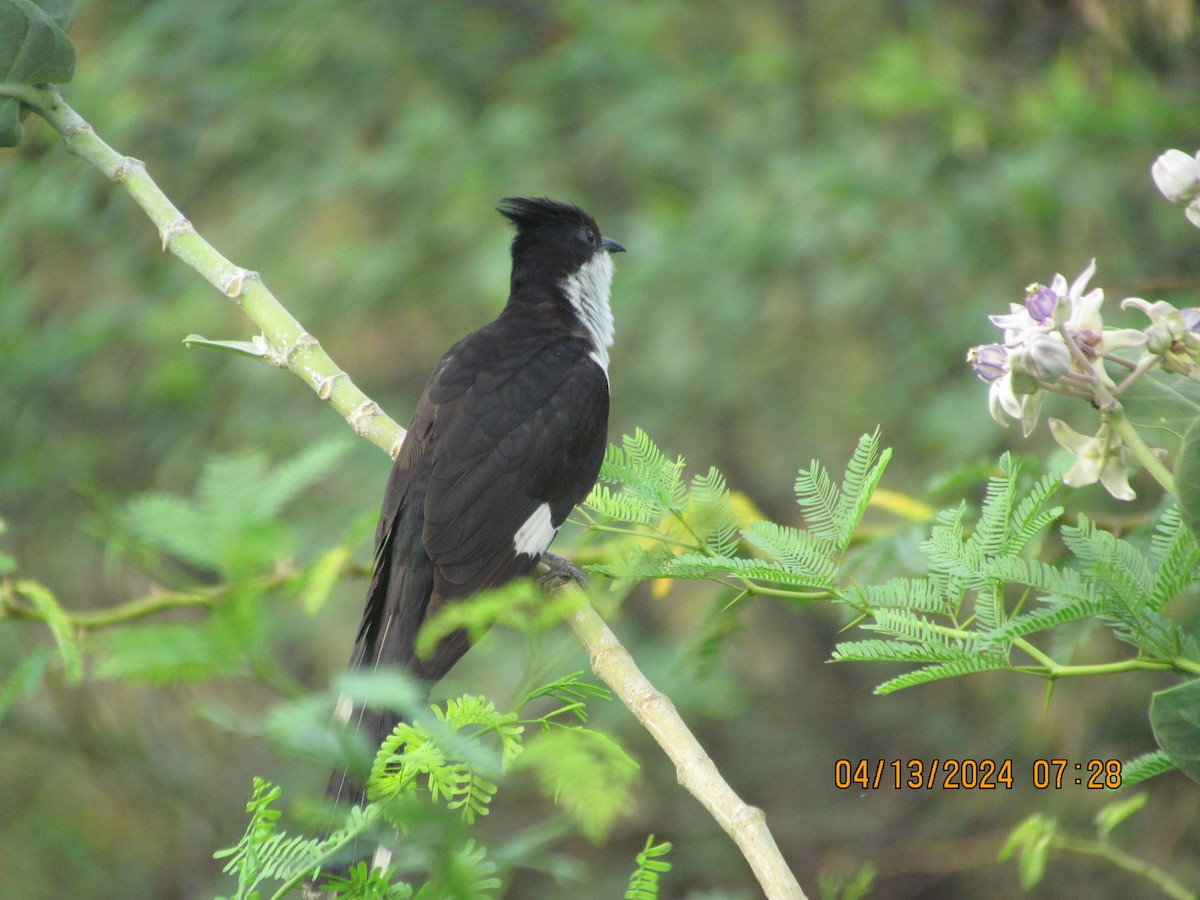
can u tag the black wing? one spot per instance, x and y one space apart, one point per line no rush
506 424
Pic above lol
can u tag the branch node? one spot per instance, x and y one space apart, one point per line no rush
235 286
268 352
360 419
394 450
303 340
179 226
324 386
124 167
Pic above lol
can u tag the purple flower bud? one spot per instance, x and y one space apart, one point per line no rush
990 361
1041 301
1191 318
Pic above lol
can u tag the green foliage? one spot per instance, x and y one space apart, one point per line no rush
986 591
521 606
25 678
570 695
1175 717
1032 841
418 756
231 526
586 772
957 617
1187 478
457 759
853 886
226 643
33 50
365 883
643 883
1039 835
689 529
1146 766
56 619
265 853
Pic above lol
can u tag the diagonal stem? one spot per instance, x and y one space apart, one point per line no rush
287 344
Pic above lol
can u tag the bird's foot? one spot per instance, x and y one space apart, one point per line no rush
559 573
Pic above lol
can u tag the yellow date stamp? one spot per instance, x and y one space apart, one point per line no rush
973 774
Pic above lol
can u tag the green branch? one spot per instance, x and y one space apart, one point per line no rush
1128 862
284 341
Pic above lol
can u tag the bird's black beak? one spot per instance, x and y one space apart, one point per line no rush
611 246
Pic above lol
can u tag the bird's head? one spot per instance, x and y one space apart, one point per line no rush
560 246
553 238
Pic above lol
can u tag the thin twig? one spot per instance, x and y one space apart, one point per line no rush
287 344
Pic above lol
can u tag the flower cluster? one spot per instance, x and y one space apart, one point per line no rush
1056 342
1053 341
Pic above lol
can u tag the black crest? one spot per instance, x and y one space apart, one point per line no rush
556 238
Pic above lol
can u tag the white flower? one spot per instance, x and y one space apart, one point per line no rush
1177 176
1099 458
1171 334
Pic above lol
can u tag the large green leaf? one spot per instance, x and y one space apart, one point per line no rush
1187 479
33 50
1163 407
1175 717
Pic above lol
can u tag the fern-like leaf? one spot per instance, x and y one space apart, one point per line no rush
863 473
820 499
896 651
709 514
1145 767
265 853
816 572
1042 619
904 624
917 594
967 666
643 883
1174 555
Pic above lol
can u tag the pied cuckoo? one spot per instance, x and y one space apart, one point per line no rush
507 437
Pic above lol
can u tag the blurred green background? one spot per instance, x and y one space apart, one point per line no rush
822 202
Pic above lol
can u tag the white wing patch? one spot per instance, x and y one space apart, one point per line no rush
589 290
535 535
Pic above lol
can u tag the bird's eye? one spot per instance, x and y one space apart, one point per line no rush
589 235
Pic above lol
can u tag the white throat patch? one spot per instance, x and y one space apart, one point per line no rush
588 291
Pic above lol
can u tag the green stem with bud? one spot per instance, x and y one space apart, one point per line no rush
1138 448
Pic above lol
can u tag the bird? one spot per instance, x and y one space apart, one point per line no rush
507 437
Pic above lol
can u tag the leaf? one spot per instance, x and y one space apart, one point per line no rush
33 50
1146 766
321 577
255 349
820 499
1033 838
1187 479
1163 408
59 624
643 883
164 654
1175 717
863 473
968 666
1115 813
26 676
584 771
